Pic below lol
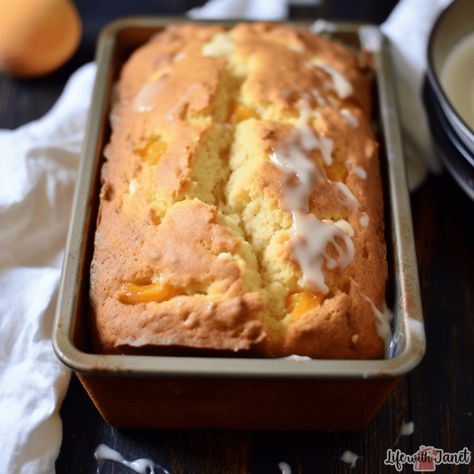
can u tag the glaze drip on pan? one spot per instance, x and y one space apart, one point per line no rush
241 206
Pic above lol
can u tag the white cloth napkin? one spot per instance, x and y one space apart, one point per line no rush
38 165
408 28
240 9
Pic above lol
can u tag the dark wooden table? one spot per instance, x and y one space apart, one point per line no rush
437 396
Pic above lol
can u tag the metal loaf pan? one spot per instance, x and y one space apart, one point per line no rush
218 392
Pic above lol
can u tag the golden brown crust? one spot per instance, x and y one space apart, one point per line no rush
194 243
185 249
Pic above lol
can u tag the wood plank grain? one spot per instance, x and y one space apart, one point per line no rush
442 396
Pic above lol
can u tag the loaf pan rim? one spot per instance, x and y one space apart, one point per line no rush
165 366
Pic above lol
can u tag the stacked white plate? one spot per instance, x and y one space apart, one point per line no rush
449 90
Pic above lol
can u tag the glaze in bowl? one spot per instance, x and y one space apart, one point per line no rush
453 25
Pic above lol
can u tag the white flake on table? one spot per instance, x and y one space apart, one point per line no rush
350 458
141 466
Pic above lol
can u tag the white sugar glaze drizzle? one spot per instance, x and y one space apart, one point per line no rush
383 324
311 236
358 170
364 219
349 117
142 466
346 195
340 83
144 99
318 97
297 358
345 226
309 140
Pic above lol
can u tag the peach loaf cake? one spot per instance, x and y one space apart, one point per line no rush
241 206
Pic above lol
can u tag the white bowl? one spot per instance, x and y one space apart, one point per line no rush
453 25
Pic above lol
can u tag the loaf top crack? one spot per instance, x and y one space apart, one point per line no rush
241 209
